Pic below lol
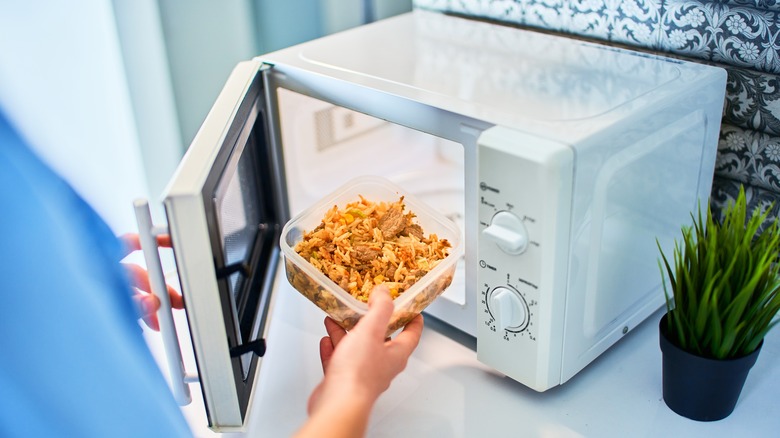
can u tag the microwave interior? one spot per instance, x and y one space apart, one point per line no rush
326 145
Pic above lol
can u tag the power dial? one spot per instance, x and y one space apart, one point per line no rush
508 308
508 232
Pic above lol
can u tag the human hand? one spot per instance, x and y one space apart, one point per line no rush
360 365
146 302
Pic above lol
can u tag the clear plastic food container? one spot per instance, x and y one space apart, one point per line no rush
340 304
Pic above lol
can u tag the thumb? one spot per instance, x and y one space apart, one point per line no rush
380 308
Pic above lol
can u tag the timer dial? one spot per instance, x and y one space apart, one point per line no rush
508 232
508 308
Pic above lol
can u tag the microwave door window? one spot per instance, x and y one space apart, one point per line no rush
246 234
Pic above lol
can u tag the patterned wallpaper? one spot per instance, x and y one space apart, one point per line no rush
749 157
740 35
726 190
733 32
753 100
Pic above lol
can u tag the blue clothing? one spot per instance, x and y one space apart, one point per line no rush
73 361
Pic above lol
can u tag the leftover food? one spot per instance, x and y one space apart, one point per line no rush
368 243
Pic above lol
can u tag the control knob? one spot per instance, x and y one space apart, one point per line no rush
508 232
508 308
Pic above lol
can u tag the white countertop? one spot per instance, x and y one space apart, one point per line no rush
446 392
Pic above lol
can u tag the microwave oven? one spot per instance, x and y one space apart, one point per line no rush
564 163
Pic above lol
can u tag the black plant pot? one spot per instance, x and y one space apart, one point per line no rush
701 388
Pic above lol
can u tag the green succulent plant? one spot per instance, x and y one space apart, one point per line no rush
725 283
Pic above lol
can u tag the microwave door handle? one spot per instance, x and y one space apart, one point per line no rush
148 233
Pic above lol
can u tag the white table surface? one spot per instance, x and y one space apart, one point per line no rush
446 392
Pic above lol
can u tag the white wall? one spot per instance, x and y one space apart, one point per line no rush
111 92
205 39
149 80
62 82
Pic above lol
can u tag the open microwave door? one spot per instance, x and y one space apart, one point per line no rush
225 207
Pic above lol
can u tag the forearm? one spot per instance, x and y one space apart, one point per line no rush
359 367
346 417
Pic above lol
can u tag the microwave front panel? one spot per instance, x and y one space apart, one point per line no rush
524 217
224 212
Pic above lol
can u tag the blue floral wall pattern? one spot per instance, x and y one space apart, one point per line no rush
742 36
749 157
753 100
733 32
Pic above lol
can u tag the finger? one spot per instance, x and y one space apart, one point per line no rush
164 240
409 338
152 322
380 307
132 242
147 307
335 332
146 304
177 302
139 278
326 352
379 293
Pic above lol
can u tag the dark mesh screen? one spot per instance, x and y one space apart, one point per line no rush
240 215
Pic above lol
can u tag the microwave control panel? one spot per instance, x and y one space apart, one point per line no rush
524 201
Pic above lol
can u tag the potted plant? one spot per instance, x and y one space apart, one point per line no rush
725 293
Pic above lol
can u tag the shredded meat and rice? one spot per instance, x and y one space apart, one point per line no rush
368 243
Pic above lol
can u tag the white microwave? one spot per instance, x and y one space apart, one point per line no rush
564 163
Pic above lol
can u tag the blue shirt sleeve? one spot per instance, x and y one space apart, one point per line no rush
73 361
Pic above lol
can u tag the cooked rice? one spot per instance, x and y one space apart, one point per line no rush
367 243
